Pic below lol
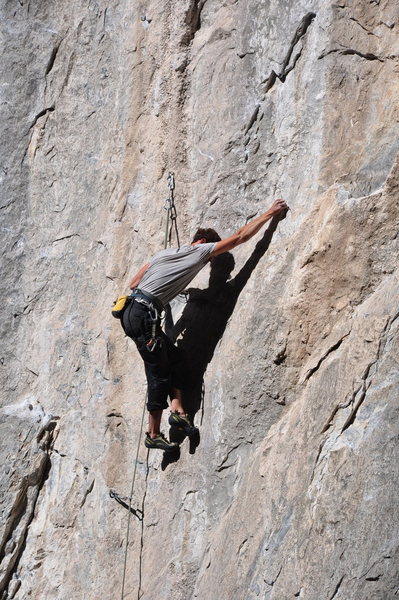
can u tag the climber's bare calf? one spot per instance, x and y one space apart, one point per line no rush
154 428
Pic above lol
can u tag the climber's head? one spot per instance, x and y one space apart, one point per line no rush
205 235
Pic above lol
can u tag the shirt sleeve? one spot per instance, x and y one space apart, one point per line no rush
204 250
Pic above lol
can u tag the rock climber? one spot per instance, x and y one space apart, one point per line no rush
156 284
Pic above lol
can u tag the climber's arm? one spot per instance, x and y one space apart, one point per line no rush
250 229
138 277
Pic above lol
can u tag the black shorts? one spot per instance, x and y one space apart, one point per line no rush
165 365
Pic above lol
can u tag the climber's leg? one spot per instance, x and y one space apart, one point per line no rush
154 437
155 423
177 401
178 417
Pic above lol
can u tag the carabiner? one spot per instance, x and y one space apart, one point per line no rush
171 181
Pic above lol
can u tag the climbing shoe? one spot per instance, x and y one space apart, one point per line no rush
160 443
183 423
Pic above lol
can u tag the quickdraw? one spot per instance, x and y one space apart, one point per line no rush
171 214
154 340
126 503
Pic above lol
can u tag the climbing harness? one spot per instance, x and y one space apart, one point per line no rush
147 299
154 312
155 309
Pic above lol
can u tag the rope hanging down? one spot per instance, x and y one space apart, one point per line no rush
171 220
141 517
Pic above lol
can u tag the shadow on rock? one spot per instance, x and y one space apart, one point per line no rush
169 458
175 435
206 314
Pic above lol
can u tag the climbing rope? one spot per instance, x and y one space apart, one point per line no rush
130 501
171 220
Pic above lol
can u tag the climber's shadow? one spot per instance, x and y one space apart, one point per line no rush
206 314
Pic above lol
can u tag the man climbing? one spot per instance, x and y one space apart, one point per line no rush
164 277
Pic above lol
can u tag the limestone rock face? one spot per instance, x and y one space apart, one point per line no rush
291 342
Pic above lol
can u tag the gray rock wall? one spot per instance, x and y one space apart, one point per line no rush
292 490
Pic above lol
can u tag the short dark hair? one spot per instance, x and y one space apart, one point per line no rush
209 234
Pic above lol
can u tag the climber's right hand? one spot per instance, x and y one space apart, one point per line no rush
278 207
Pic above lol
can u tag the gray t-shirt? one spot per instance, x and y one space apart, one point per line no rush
171 270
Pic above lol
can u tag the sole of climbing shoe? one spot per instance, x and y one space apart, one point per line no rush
183 424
